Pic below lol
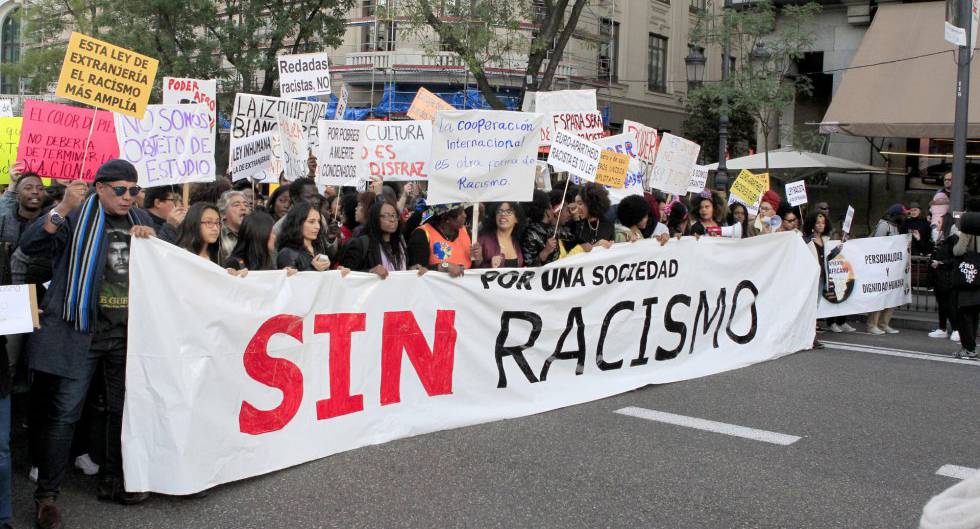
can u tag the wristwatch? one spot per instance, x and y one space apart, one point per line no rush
56 218
444 267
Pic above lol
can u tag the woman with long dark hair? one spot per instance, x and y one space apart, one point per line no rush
279 203
255 249
709 214
199 231
738 214
592 227
381 249
300 243
499 238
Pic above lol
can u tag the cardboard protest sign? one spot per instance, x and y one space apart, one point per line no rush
748 187
304 75
291 148
341 108
796 193
578 156
252 158
848 220
612 169
254 114
573 111
170 145
676 158
699 179
426 104
6 108
562 100
9 138
396 150
339 153
53 140
106 76
483 155
646 140
16 313
181 91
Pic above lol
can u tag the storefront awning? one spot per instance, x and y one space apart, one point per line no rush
911 98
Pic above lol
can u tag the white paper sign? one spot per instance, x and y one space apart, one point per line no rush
574 111
252 158
796 193
397 151
171 145
15 309
646 139
483 155
339 153
676 159
304 75
866 275
6 108
342 103
254 114
291 148
183 91
623 143
848 219
699 179
576 155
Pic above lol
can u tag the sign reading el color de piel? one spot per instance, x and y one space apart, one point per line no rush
106 76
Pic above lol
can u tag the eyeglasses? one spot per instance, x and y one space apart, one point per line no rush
505 213
121 190
211 223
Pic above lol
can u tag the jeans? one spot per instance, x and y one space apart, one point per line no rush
61 401
6 510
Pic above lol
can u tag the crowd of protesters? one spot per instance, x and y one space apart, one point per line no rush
76 238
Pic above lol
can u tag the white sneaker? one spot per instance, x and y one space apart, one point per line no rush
889 330
875 330
938 333
835 328
32 475
847 328
955 336
86 465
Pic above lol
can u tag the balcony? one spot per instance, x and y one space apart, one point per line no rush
418 60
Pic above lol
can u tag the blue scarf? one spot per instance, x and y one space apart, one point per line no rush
83 261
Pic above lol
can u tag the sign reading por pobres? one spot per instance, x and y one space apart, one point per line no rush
53 140
170 145
339 153
254 114
426 104
106 76
483 155
866 275
181 91
304 75
676 158
302 375
251 158
578 156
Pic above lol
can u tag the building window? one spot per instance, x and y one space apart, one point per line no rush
731 63
697 6
10 50
608 62
657 67
380 36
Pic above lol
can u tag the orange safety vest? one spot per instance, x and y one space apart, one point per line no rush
443 251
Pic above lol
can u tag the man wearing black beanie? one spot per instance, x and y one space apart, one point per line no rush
83 326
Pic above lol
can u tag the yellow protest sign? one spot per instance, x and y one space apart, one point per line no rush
426 104
612 169
9 139
748 187
106 76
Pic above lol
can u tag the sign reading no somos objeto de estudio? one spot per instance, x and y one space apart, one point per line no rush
170 145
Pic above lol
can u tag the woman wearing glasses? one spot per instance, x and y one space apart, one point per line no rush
199 231
499 237
381 248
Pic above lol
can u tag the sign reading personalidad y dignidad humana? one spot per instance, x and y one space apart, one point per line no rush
106 76
866 275
483 155
170 145
302 375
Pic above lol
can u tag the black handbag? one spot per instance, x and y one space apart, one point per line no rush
966 272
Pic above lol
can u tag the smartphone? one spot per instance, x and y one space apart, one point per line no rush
322 258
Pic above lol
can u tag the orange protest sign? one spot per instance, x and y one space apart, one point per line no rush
106 76
426 104
612 169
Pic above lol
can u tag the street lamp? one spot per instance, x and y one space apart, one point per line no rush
759 56
695 62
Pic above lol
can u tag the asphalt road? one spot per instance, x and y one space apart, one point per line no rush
873 428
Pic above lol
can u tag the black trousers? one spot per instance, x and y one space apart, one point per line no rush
946 308
968 326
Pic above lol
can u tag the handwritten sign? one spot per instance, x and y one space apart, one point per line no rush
796 193
848 219
578 156
106 76
749 187
483 155
170 145
6 108
254 114
646 140
393 150
304 75
342 103
339 153
624 143
53 140
426 104
573 111
181 91
612 169
291 148
676 158
252 158
16 313
699 179
9 138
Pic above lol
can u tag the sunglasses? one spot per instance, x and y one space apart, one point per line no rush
121 190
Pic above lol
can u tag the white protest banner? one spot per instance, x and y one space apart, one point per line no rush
316 364
848 219
623 143
16 313
291 149
252 158
574 111
342 103
646 138
304 75
6 108
676 159
182 91
483 155
866 275
171 145
578 156
796 193
699 179
254 114
339 153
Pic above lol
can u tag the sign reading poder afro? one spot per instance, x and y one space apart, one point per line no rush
303 75
105 76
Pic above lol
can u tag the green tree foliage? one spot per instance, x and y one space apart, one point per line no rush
701 127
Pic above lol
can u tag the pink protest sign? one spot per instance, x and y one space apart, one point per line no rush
52 140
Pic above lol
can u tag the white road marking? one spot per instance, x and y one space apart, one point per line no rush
957 472
710 426
904 353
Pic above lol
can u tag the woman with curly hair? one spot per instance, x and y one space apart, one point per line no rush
499 239
592 227
708 211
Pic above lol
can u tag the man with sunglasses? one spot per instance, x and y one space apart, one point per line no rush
84 324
